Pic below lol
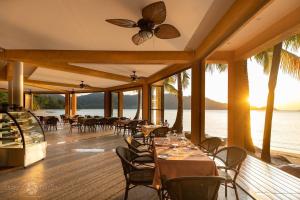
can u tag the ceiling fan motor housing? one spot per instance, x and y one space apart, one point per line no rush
146 27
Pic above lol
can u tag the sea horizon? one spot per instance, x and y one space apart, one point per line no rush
285 126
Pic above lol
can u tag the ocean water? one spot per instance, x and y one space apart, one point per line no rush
285 129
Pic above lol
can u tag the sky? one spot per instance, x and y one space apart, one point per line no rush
287 94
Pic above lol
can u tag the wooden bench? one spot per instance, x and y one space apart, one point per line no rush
263 181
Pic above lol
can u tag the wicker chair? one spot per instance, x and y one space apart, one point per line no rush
210 145
232 158
90 124
51 123
135 145
74 124
134 175
145 156
131 127
190 188
159 132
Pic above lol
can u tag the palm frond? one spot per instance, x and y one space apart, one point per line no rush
264 58
213 67
290 64
185 79
171 89
170 80
292 43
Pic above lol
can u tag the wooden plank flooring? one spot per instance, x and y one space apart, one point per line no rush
264 181
67 173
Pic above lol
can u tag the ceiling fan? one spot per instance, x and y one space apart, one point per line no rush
82 85
150 24
134 77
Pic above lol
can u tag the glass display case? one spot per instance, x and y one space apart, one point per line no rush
22 139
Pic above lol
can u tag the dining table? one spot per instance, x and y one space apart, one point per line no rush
177 157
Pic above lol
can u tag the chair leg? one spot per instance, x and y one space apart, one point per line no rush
126 191
225 189
235 190
160 194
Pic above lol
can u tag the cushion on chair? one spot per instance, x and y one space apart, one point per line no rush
144 159
142 177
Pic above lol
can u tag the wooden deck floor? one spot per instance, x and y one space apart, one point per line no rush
69 173
264 181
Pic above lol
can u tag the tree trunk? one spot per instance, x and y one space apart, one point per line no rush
239 127
137 115
179 118
248 142
265 155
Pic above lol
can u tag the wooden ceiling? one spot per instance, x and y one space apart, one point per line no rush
223 36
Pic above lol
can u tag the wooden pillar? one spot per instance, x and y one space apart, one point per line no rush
239 131
17 83
107 104
146 101
198 102
158 105
67 104
120 104
74 104
10 92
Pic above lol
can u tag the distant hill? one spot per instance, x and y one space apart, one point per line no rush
130 102
96 100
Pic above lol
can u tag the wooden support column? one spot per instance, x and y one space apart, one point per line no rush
146 101
17 83
239 131
158 105
74 104
10 92
67 104
107 104
120 104
198 102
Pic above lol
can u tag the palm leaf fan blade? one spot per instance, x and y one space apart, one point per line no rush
166 31
122 22
155 12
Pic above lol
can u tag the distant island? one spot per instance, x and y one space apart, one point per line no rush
95 101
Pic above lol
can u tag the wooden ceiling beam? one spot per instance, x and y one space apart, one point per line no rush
236 17
47 87
101 57
219 57
166 72
60 84
125 87
275 33
81 70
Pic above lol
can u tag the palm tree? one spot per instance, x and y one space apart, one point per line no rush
137 115
182 79
289 63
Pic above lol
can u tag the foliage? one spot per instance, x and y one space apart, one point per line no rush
170 82
3 97
49 101
289 62
213 67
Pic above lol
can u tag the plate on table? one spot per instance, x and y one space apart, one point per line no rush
163 156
